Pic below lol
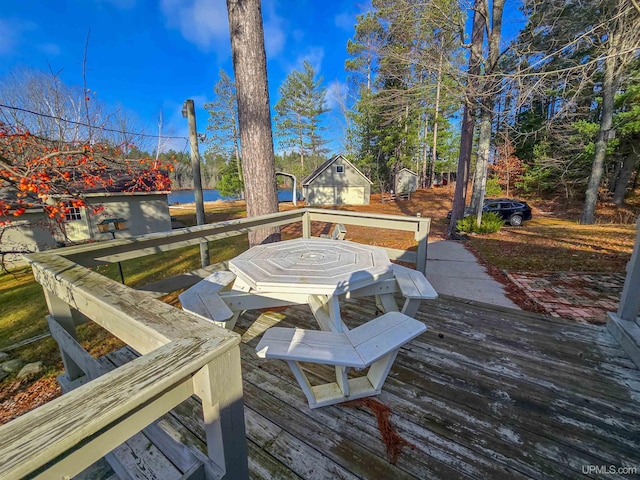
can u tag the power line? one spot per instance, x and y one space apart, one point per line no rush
104 129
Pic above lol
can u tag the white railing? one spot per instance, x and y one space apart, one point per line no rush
624 325
126 249
180 354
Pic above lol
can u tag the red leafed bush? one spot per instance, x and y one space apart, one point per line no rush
53 175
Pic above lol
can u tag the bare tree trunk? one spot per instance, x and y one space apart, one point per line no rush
606 122
468 121
434 150
482 162
254 114
489 93
425 149
629 164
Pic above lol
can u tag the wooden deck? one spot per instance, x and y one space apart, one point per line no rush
485 393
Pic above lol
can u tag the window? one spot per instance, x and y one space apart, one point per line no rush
339 168
72 213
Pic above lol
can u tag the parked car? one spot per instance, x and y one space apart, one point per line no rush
512 211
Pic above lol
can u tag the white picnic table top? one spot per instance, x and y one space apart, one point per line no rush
311 266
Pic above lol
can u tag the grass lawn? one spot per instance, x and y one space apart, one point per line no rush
553 245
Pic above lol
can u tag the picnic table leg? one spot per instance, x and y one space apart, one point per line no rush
380 369
411 306
303 381
386 303
342 379
326 311
334 313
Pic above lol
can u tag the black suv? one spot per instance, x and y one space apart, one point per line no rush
512 211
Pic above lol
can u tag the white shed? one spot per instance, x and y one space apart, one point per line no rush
337 182
33 231
406 181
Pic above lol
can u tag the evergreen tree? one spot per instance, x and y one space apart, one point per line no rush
298 111
223 122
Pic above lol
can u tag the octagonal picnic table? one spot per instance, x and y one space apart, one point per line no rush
319 272
319 269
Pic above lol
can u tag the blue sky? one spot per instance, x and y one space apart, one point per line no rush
149 56
146 56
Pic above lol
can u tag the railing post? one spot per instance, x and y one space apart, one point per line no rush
64 315
422 237
306 225
630 299
219 386
624 325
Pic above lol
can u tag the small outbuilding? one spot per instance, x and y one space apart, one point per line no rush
337 182
124 214
406 181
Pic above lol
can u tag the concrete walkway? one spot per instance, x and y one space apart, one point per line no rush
453 270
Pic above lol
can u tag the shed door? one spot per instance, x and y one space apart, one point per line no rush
350 196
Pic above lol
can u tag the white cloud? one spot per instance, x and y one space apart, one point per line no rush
313 55
50 49
8 37
274 36
11 30
336 95
345 21
201 22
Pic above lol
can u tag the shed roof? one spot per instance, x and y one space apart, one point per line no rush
326 165
407 170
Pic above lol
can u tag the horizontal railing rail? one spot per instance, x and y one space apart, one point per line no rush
113 251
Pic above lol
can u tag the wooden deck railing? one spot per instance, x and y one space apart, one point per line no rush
126 249
624 325
180 354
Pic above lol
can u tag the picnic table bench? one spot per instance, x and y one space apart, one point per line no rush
374 344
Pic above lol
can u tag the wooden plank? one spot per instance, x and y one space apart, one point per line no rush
522 407
178 282
394 222
438 455
378 326
172 439
397 334
73 349
630 298
146 386
413 284
240 300
315 346
139 458
125 249
135 318
513 445
359 430
202 299
544 398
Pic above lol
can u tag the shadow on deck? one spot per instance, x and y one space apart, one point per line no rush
485 393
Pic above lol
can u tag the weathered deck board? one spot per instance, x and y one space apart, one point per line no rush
461 450
484 393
